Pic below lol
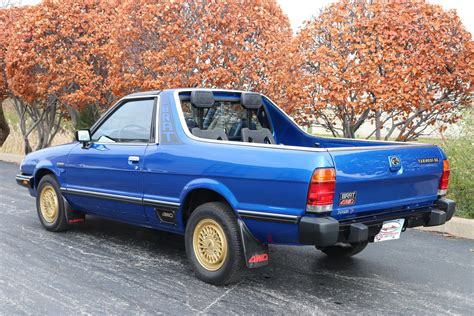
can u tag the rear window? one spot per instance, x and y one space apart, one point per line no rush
228 115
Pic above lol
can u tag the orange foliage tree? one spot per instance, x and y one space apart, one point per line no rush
205 43
56 64
65 55
4 31
402 65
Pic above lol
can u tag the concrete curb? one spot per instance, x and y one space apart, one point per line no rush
457 226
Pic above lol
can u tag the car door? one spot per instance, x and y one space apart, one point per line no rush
105 177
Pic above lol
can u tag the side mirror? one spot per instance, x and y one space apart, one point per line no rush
83 136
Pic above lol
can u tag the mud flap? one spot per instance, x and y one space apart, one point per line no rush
256 253
71 215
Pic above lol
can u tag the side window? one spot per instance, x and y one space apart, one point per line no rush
130 123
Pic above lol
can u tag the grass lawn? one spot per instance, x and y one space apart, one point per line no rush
460 153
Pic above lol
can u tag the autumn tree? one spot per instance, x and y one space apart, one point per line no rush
6 21
4 128
401 65
56 64
188 43
67 55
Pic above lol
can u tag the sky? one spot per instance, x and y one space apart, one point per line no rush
301 10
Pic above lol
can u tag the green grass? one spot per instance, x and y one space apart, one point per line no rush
460 152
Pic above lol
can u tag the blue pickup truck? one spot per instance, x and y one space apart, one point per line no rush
233 173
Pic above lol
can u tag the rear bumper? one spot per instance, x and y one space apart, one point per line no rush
24 180
326 231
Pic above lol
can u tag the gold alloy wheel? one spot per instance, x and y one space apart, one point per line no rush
49 205
210 244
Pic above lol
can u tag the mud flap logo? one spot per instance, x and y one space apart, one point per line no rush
258 258
347 198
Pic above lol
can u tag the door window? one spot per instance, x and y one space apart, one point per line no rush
130 123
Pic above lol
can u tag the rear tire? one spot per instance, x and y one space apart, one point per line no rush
214 245
344 250
50 205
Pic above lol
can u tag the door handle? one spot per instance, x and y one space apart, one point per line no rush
133 159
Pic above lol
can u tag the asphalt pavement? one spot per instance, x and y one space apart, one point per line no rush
104 267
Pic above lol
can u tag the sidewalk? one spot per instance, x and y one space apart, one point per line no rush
457 226
11 158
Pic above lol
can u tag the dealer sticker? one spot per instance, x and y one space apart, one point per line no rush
390 230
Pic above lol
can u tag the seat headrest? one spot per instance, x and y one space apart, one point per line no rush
202 98
251 100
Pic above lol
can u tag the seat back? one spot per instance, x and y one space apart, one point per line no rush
261 136
216 133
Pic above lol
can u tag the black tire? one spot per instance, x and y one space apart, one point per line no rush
59 223
232 266
341 250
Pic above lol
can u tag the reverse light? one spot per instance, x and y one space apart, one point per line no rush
321 191
444 182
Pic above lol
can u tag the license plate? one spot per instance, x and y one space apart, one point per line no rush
390 230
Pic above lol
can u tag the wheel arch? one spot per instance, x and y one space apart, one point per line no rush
42 171
203 191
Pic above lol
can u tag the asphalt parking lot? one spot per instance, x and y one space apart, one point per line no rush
103 267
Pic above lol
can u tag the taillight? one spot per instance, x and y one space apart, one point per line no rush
321 190
444 183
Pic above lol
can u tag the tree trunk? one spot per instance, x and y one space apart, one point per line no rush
27 145
348 130
4 128
378 128
348 127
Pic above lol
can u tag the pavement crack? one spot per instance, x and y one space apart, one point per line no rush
218 299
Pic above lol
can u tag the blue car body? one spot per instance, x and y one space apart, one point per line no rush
266 185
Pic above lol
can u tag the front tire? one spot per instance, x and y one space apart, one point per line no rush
213 244
342 250
50 205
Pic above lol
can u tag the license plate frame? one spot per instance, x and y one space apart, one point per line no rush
391 230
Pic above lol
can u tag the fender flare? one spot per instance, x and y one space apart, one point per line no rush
213 185
46 165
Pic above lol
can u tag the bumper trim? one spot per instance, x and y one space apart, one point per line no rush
358 232
436 218
446 205
326 231
319 231
24 180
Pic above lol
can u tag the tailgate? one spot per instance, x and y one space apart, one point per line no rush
380 179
